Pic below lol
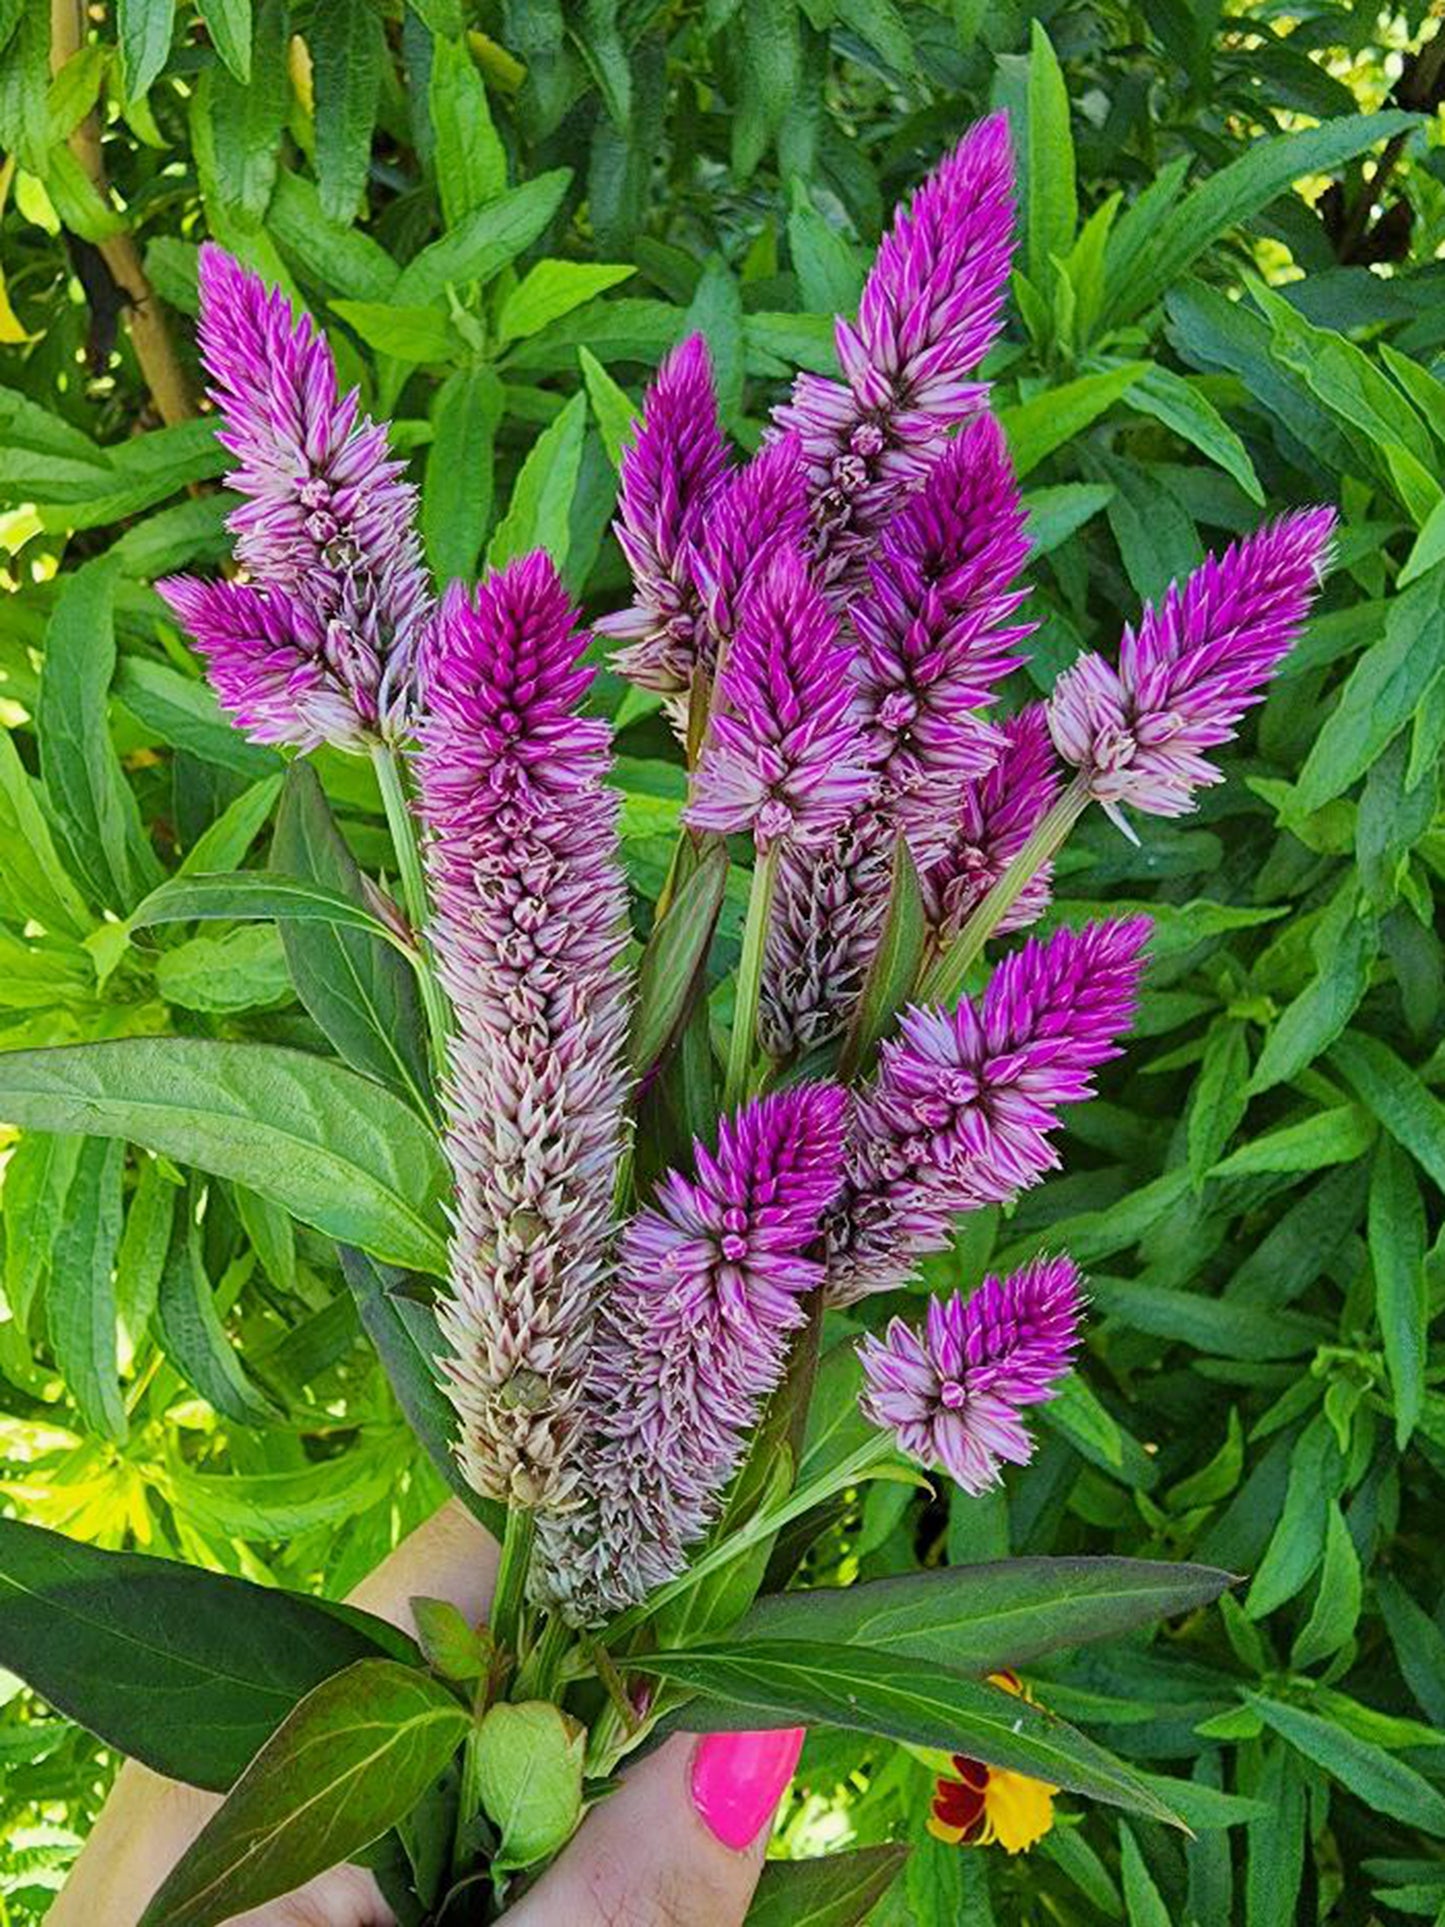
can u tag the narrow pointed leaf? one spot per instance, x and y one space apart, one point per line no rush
676 952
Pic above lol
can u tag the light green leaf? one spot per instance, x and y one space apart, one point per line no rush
238 970
340 1152
612 406
1053 208
80 1306
470 162
552 289
528 1762
229 24
485 241
409 333
538 516
1036 427
456 500
144 30
1337 1604
1183 406
1329 1137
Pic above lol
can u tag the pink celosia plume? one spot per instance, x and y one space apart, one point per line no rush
530 919
994 818
953 1393
325 529
1187 674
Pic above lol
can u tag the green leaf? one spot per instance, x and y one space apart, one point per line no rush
1413 1116
187 1670
552 289
34 883
229 24
184 713
1382 692
676 953
80 1306
1183 407
194 1339
976 1619
456 499
362 994
1142 1899
1365 1770
143 28
830 275
612 406
38 1176
354 1757
528 1763
1337 1604
238 970
1329 1137
342 260
234 894
1419 1646
404 1331
1221 1096
893 972
408 333
1053 206
1054 513
1316 1474
340 1152
539 513
482 244
1036 427
1398 1237
470 162
838 1890
772 1683
348 56
1311 1022
143 1247
1139 274
82 774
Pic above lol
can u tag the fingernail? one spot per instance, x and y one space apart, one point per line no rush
738 1779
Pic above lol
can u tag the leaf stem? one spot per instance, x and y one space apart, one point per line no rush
402 824
750 977
509 1595
943 983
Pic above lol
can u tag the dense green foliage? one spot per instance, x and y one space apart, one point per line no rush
505 214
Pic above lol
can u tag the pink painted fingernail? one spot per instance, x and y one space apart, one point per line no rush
738 1779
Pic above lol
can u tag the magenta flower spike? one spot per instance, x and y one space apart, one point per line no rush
929 312
690 1341
934 632
760 510
953 1393
784 760
325 529
529 924
1187 674
670 473
995 817
965 1102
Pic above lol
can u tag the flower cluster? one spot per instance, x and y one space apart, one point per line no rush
1190 670
692 1338
320 645
953 1395
530 918
835 616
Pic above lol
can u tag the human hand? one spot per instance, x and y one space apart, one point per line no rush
679 1845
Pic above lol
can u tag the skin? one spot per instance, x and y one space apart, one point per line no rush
642 1858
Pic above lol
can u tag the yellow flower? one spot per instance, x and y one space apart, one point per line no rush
984 1805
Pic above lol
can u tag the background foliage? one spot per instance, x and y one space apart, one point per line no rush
1228 296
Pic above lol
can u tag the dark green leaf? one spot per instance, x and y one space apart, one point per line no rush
893 973
773 1683
361 993
1402 1296
144 30
354 1757
194 1339
1413 1116
1368 1771
676 952
187 1670
348 55
976 1619
229 24
238 894
839 1890
481 245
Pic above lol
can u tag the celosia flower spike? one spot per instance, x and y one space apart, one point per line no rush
953 1393
933 629
994 819
965 1101
930 309
326 529
690 1341
670 472
785 760
530 920
758 511
1187 674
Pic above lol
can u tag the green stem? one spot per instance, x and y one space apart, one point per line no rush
943 983
402 824
750 977
509 1595
537 1679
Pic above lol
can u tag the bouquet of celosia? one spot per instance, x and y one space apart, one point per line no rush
675 1191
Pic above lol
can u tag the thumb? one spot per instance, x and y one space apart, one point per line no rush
680 1844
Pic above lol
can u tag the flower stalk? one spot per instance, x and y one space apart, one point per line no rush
944 980
742 1043
403 826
